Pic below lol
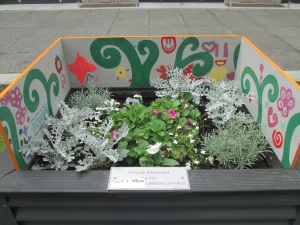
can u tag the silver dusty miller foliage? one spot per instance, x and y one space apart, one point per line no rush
224 99
91 97
177 83
71 139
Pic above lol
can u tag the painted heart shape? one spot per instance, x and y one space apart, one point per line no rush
231 75
209 46
272 118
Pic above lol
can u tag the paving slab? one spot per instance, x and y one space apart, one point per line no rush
202 21
92 22
245 30
293 31
129 31
16 63
29 45
167 30
13 33
270 43
89 31
166 21
130 22
287 60
208 30
196 13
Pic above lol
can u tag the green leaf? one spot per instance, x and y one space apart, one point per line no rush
162 133
122 144
146 161
169 162
130 160
158 138
176 102
143 144
182 121
168 143
157 157
185 112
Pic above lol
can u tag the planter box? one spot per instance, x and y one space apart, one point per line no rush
270 196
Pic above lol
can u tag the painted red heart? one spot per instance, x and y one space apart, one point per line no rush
230 76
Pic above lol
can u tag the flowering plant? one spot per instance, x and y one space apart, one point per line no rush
162 134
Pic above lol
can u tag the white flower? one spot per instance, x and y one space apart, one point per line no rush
138 97
194 124
175 142
176 135
196 162
185 106
196 150
152 149
190 135
203 152
188 165
171 134
169 149
178 127
210 159
192 141
197 128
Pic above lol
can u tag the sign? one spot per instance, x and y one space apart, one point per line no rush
148 178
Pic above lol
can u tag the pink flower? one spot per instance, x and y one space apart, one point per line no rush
189 123
285 102
172 113
155 111
113 134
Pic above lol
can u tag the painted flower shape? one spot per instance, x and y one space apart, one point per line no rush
163 70
58 64
285 102
172 113
152 149
114 134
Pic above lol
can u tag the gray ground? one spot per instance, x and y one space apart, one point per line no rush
25 34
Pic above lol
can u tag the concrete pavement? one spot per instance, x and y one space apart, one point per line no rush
27 30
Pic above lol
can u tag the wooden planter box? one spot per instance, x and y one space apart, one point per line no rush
257 196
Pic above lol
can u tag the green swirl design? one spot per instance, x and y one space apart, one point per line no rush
111 57
32 105
293 123
268 80
7 116
204 56
236 55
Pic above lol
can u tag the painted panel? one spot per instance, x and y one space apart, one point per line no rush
33 94
134 61
276 106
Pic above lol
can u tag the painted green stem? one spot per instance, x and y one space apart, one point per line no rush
111 57
7 116
268 80
294 122
32 105
203 56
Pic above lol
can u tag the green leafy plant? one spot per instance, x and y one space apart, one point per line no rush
171 124
236 144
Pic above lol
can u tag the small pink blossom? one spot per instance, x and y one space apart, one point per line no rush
189 123
155 111
172 113
285 102
113 134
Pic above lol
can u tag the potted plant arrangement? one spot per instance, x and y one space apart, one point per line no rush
189 120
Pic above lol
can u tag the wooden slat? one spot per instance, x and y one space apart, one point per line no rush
208 181
163 200
156 214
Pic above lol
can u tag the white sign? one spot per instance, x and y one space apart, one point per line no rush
148 178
